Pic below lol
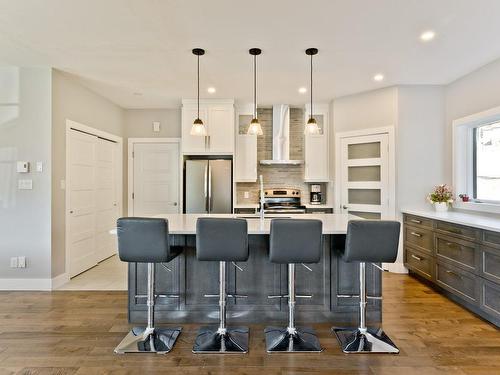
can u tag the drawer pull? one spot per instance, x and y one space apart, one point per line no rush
416 221
453 274
453 245
416 257
415 234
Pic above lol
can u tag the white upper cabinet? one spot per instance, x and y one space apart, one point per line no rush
316 153
218 117
245 168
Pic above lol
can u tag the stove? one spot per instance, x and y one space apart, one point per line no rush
283 201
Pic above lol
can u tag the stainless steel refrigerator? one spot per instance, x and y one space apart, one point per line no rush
208 186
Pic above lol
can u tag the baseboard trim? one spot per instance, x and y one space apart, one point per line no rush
59 281
395 267
26 284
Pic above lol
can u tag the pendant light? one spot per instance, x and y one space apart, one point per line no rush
254 128
198 127
311 126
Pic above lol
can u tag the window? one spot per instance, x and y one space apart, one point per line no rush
476 161
486 163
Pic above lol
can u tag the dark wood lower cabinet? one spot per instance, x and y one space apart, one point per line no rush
462 262
192 279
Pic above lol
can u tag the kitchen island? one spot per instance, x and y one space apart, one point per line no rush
331 283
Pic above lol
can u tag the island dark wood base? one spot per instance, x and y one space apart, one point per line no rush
332 283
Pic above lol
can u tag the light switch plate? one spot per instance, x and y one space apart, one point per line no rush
21 262
25 184
156 126
39 166
13 262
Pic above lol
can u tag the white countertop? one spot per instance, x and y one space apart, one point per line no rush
476 220
186 223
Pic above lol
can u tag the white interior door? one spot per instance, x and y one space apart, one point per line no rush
364 185
82 202
107 199
156 178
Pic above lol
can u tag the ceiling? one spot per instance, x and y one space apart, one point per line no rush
121 48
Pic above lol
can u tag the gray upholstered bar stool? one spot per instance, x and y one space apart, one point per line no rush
293 241
222 240
368 241
146 240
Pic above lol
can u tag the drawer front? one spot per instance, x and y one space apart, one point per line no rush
490 298
461 253
490 264
457 281
422 238
468 233
417 221
491 239
419 262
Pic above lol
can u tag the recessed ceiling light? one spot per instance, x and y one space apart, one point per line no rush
211 90
378 77
427 36
302 90
137 93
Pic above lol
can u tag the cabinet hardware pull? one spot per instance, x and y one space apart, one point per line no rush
453 245
453 274
416 221
415 234
416 257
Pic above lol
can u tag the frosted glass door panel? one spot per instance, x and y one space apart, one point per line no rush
363 150
364 173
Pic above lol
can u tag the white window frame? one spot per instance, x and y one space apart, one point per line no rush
463 158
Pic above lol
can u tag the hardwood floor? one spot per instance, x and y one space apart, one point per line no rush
75 333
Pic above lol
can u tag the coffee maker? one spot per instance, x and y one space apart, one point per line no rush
315 197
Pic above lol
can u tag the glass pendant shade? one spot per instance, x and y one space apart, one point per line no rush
255 128
198 128
311 127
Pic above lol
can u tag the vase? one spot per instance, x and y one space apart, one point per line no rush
441 206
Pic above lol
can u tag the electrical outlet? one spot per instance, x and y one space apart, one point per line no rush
21 262
13 262
25 184
246 195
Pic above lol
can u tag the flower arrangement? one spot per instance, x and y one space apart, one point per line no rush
441 197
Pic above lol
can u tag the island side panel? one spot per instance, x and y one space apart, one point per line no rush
192 279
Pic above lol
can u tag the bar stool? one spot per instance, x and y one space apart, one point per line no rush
146 240
293 241
368 241
222 240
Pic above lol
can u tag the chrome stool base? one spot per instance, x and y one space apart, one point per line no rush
211 340
142 340
281 340
353 340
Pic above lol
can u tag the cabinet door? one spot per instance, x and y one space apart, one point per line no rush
221 129
245 168
193 143
316 158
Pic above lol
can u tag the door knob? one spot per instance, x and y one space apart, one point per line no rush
345 207
175 203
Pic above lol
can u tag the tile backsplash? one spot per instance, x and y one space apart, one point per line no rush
289 176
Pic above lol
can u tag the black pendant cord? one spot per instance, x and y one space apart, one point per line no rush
311 111
198 86
254 86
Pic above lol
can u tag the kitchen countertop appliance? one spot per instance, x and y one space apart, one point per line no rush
315 197
283 201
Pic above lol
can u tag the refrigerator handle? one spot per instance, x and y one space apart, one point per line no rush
205 186
209 188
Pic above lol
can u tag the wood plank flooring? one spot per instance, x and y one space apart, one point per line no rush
75 333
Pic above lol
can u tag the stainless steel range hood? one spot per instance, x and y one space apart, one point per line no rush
281 137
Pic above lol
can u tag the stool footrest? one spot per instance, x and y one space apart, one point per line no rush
286 296
158 296
357 296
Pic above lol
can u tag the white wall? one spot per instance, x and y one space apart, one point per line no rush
420 144
25 134
473 93
70 100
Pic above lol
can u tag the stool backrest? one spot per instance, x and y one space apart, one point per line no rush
372 241
221 239
295 241
143 240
